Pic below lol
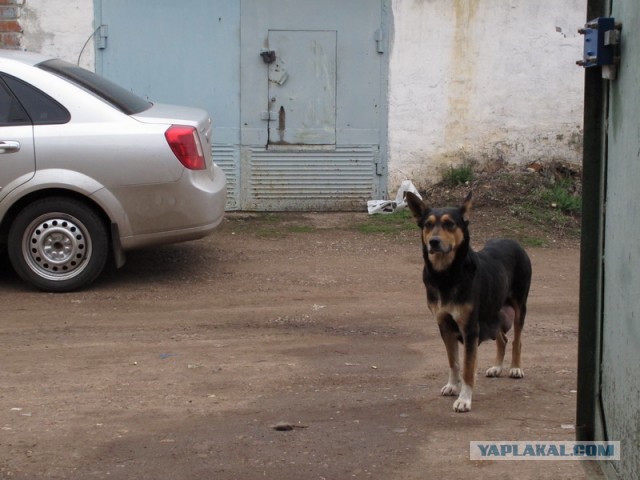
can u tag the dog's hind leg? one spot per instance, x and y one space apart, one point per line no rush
515 371
501 348
507 316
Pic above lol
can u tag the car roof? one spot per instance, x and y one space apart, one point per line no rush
28 58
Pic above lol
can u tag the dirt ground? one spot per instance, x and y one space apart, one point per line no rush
179 365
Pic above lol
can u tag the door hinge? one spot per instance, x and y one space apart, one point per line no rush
602 45
101 37
380 40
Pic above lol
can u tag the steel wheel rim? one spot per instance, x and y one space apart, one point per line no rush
56 246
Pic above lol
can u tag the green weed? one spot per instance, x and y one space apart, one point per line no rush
531 242
301 229
459 175
558 196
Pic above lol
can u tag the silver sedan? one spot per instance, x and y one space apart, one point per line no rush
89 171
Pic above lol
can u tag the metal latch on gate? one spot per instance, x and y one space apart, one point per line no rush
268 56
601 45
102 32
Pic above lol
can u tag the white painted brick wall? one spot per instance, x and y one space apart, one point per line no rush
483 79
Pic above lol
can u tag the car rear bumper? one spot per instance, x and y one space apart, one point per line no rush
183 235
187 210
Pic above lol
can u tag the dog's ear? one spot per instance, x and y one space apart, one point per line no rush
416 205
465 208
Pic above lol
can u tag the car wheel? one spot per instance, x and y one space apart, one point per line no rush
58 244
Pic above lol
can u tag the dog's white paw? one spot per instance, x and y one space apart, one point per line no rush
450 390
462 405
516 373
494 372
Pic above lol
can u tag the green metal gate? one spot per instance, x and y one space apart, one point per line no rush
609 354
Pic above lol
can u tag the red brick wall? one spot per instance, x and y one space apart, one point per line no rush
10 29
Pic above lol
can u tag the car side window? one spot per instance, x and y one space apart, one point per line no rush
11 112
42 109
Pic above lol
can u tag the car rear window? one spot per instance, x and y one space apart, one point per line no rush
11 112
121 98
41 108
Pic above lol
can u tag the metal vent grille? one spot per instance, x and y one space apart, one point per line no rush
227 158
341 179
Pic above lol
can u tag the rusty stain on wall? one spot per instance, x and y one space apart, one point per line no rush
462 82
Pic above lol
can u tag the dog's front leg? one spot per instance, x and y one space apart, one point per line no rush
463 402
449 334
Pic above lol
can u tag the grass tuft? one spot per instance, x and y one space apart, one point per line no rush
458 175
559 196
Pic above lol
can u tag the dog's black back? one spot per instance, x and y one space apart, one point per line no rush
503 277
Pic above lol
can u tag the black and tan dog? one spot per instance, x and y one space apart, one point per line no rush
474 296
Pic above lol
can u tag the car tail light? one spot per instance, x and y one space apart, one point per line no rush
185 144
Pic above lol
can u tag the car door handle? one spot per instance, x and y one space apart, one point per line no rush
9 146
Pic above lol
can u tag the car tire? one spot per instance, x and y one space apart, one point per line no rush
58 244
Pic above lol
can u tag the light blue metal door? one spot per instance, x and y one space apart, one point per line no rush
302 130
302 88
320 143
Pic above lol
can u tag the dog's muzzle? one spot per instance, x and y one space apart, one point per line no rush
436 246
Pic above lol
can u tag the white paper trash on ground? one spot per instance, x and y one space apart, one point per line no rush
391 206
